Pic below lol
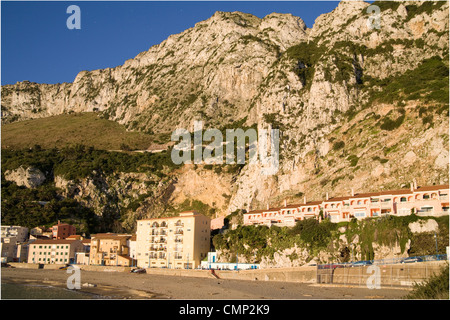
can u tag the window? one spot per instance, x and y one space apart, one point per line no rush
360 214
426 196
426 209
403 199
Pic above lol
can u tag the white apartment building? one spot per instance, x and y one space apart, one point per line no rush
173 242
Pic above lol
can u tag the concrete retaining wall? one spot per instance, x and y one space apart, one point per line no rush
389 275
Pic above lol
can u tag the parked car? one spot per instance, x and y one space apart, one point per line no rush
331 266
64 267
361 263
138 270
412 260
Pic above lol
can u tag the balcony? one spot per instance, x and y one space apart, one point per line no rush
179 232
178 256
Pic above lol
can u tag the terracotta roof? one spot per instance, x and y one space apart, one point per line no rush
291 206
176 217
337 199
113 236
432 188
312 203
55 241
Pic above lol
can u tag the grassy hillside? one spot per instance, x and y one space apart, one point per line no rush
70 129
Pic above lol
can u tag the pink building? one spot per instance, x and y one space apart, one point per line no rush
62 231
423 201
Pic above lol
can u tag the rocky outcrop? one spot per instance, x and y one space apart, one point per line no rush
430 225
28 177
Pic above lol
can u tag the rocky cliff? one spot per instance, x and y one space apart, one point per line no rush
357 107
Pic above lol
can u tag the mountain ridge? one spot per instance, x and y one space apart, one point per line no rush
359 107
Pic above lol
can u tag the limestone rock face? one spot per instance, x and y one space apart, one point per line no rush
28 177
269 73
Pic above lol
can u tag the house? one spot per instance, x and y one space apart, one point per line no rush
109 249
62 230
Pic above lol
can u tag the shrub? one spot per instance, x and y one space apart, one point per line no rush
436 287
338 145
389 124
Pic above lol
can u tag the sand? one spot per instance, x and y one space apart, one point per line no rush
119 285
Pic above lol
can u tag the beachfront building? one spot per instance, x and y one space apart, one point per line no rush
19 233
213 263
180 242
423 201
62 231
110 249
53 251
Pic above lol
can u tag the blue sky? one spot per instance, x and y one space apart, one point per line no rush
37 46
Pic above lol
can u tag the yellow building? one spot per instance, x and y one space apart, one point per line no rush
109 249
173 242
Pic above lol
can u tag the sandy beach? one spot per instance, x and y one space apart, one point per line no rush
119 285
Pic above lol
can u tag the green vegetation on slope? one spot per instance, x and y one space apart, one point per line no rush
428 82
255 242
70 129
80 161
43 206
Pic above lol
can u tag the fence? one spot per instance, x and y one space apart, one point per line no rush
386 272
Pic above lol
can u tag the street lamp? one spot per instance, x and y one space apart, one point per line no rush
435 239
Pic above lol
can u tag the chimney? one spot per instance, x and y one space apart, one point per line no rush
267 206
285 202
412 186
304 200
415 183
353 192
59 222
327 195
